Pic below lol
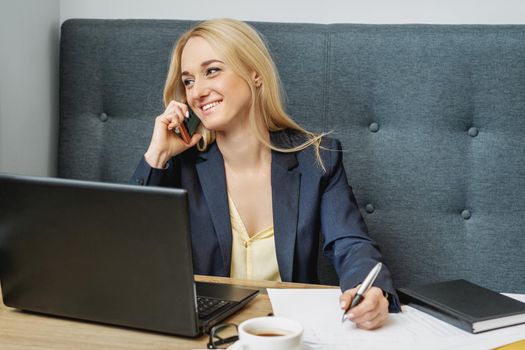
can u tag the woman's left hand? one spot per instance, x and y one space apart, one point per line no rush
371 313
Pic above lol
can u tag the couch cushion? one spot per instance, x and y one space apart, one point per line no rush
431 118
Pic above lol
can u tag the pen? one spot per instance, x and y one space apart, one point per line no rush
369 280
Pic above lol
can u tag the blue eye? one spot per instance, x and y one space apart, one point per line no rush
212 70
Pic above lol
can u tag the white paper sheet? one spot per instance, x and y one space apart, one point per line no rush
319 312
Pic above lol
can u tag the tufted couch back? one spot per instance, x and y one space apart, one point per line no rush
432 119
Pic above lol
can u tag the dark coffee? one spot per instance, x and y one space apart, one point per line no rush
269 332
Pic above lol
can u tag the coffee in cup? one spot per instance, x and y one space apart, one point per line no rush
269 332
275 333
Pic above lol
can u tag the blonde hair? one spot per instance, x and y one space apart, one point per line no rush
244 51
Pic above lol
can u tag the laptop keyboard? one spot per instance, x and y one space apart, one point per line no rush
207 306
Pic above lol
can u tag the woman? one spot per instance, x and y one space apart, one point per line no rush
260 187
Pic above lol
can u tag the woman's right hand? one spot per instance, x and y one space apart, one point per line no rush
166 142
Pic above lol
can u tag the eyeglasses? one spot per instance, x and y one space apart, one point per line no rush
222 334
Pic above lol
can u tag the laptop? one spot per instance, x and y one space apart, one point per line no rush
109 253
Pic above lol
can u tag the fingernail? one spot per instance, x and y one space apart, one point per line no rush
187 114
350 315
342 304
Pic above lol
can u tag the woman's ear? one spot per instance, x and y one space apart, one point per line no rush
257 81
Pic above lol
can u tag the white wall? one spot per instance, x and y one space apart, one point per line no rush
29 31
323 11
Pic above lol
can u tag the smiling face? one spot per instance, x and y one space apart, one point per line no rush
218 95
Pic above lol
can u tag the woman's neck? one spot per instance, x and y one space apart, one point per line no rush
242 151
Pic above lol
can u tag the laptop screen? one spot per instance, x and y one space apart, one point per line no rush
101 252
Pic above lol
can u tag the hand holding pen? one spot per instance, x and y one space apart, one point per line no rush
365 305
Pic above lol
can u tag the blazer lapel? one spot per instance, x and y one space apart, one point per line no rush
286 181
213 180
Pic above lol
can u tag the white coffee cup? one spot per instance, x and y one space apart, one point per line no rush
269 333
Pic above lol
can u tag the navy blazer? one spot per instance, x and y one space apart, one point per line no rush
306 200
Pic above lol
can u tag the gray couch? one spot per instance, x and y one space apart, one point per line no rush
432 119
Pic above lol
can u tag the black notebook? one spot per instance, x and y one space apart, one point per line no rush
465 305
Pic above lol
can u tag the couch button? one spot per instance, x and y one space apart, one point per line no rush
465 214
373 127
140 180
473 131
369 208
103 117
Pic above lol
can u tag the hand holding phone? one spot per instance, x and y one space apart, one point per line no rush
189 126
165 143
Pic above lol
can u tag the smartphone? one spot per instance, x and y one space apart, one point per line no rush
189 126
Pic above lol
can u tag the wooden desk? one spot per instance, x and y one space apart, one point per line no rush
21 330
